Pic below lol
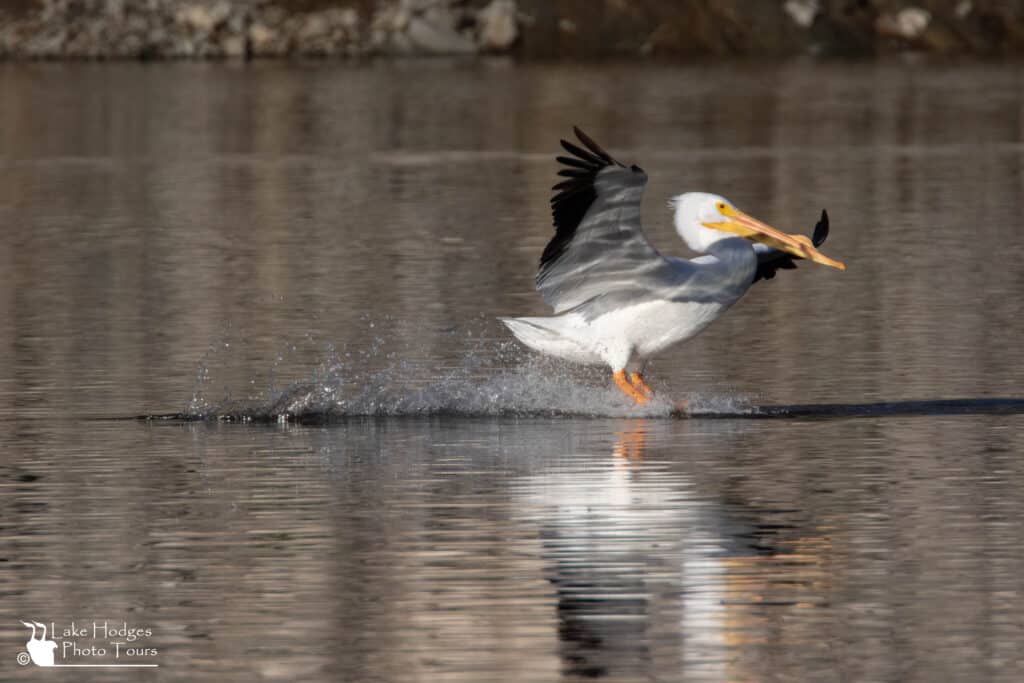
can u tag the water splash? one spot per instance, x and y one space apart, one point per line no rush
482 373
475 370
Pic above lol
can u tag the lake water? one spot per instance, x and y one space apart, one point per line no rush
207 240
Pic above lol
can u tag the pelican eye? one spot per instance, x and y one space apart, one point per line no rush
721 206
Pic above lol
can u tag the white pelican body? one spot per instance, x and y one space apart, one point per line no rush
617 300
624 338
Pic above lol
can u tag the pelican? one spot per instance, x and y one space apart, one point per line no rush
617 300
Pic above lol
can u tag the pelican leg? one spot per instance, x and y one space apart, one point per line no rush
637 380
622 382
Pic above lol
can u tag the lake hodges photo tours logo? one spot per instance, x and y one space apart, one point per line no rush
95 644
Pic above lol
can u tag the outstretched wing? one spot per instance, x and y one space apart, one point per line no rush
769 260
599 246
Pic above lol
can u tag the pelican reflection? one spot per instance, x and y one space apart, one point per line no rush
656 568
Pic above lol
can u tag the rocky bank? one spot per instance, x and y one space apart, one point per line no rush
247 29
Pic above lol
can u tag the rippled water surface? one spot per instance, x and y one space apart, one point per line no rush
335 242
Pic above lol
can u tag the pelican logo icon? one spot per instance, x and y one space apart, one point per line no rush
95 644
40 650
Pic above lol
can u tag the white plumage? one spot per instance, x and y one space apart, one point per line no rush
617 301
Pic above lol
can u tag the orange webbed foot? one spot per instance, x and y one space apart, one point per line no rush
637 380
629 389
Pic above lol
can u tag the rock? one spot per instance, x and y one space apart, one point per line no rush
802 12
82 46
420 6
312 28
233 46
136 24
156 37
912 21
400 20
220 11
263 39
909 23
272 16
203 18
398 43
115 9
182 47
497 25
47 44
129 47
196 17
237 21
348 18
434 32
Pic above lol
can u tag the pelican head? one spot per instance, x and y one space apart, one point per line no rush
702 219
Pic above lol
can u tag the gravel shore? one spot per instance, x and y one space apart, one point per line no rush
247 29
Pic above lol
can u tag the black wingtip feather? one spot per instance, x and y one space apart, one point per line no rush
574 162
820 230
589 143
575 195
767 270
582 154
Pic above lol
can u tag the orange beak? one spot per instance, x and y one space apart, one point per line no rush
743 225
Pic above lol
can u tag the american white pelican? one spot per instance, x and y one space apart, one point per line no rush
616 299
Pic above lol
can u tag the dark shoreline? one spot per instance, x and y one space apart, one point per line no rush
529 29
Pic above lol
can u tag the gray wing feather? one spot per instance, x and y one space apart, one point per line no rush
599 249
600 260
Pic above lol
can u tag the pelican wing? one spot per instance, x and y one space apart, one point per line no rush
599 248
770 261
